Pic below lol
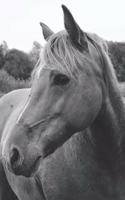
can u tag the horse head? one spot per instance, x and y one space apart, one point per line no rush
66 96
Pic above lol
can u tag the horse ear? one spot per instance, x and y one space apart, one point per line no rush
47 32
77 36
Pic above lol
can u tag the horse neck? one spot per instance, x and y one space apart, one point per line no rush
109 126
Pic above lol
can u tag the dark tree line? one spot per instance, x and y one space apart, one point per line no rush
20 64
117 55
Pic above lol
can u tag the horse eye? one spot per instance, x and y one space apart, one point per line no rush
61 79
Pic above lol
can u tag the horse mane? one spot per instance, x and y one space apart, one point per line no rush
98 40
60 54
101 46
112 86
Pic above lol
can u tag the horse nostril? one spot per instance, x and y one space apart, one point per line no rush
15 158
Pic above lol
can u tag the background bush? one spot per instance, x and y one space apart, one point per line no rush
9 83
18 64
16 67
117 55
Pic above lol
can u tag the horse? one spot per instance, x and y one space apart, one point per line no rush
65 137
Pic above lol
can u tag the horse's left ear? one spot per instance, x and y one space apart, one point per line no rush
77 36
47 32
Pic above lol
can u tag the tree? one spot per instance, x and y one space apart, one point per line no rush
117 55
18 64
4 47
3 51
35 52
1 58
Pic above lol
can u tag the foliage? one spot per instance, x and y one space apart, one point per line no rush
117 54
1 58
3 51
18 64
8 83
35 52
4 47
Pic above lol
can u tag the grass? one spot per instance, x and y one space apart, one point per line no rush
8 83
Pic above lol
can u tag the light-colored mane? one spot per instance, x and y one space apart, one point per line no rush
60 54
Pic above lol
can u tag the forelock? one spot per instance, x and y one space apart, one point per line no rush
60 54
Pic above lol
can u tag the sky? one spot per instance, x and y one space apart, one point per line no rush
19 19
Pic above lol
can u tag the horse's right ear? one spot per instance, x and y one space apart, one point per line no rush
47 32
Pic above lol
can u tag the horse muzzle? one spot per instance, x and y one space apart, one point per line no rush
21 162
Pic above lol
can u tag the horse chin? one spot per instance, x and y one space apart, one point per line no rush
36 166
34 169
